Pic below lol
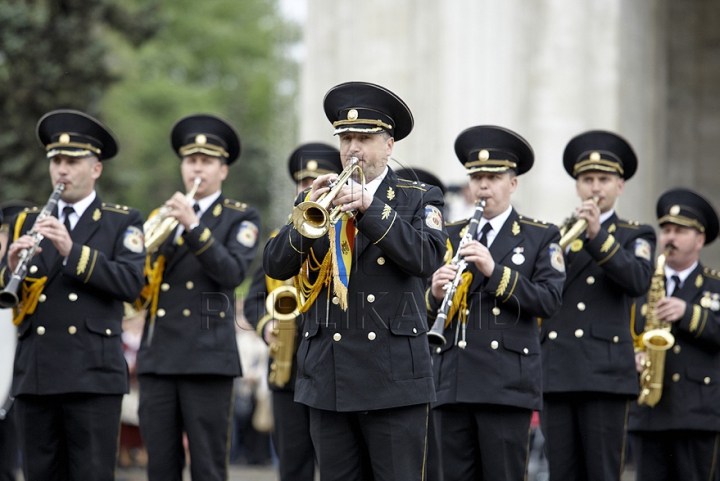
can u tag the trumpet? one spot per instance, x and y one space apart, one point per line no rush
9 296
572 228
282 305
159 227
313 219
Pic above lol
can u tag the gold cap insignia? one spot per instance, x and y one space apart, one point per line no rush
595 156
483 155
64 138
201 139
312 165
352 114
675 210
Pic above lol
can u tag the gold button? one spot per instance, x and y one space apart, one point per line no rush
307 334
438 350
335 300
706 380
552 335
590 280
73 297
222 315
381 261
616 339
676 377
370 298
371 336
496 311
579 333
72 329
42 298
676 349
161 312
581 306
186 312
526 351
40 330
189 285
414 330
164 287
494 344
108 331
33 269
337 336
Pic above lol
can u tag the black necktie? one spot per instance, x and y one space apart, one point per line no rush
196 207
483 235
676 280
66 212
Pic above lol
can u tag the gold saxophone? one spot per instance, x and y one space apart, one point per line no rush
282 305
656 338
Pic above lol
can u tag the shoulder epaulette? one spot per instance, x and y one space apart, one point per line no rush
32 210
629 224
412 184
233 204
400 179
711 273
120 209
457 222
535 222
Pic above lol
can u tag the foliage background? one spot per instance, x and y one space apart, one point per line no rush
139 66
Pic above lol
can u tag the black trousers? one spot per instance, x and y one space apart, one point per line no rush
434 451
381 445
293 443
200 406
68 436
484 442
8 447
681 455
585 435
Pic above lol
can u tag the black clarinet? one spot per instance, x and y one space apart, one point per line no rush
436 335
9 297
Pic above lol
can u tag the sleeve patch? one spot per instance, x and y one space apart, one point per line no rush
133 239
247 233
557 259
433 217
643 249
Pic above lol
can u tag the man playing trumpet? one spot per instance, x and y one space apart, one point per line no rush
188 356
589 373
363 364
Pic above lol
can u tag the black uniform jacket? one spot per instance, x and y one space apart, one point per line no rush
375 355
195 325
588 346
501 362
71 343
691 385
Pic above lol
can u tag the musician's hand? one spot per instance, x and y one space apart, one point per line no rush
640 358
182 210
670 309
24 242
320 186
353 197
590 211
54 230
268 335
441 278
479 255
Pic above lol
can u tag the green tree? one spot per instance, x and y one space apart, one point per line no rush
53 54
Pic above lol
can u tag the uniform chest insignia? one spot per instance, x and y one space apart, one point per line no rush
433 217
699 280
607 244
205 235
133 239
576 245
247 233
612 228
217 210
518 258
715 304
96 215
643 249
557 259
515 228
386 212
706 301
390 193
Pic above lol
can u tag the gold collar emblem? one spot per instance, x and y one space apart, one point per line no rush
390 193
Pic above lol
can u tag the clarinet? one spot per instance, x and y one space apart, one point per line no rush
436 334
9 296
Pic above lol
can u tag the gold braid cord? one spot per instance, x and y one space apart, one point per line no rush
151 291
31 290
308 291
459 304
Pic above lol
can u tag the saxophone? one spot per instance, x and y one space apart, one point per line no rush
282 305
656 338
